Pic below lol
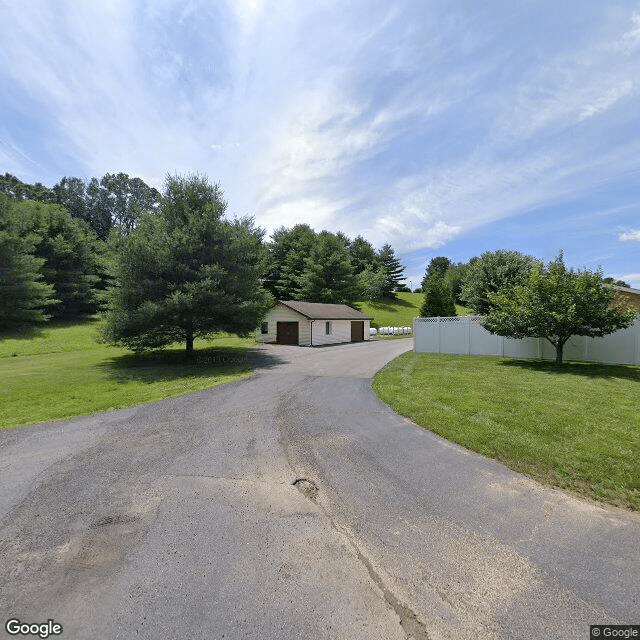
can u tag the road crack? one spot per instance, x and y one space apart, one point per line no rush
409 622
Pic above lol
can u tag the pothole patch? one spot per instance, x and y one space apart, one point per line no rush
307 487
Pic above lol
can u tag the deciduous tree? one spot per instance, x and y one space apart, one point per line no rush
494 270
556 303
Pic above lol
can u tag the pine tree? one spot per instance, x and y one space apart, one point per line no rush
394 270
24 296
184 272
438 299
328 276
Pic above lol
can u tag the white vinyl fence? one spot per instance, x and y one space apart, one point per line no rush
466 335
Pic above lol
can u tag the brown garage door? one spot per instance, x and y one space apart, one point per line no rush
287 333
357 330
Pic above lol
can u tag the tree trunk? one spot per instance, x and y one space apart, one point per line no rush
559 347
189 344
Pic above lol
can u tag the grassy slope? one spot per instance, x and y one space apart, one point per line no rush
575 428
61 371
400 312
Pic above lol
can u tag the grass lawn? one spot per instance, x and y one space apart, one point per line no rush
400 312
60 371
576 428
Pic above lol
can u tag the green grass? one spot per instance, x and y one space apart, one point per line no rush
400 312
574 427
60 371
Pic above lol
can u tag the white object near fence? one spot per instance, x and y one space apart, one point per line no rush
394 331
467 336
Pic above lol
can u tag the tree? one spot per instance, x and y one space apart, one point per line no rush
491 272
24 296
186 272
437 266
18 190
394 269
328 275
116 200
616 283
363 255
556 303
372 283
128 198
454 277
72 257
438 299
288 253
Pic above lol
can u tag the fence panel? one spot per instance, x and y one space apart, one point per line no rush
467 336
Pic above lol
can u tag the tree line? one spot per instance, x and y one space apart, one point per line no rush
329 267
166 267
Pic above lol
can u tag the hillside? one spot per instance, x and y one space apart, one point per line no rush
400 312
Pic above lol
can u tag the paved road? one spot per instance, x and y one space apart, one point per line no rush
181 519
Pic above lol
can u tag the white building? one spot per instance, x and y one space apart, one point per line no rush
313 324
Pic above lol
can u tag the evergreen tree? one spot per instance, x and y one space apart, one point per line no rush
437 266
328 275
288 253
438 299
24 296
394 270
72 254
185 272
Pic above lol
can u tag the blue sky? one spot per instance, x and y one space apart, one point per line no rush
443 127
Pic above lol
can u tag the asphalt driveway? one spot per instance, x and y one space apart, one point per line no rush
295 504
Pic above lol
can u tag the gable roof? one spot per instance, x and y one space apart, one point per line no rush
320 311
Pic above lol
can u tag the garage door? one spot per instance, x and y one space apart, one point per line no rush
357 330
287 333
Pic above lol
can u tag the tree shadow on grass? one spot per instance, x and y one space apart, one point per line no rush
387 304
573 367
31 331
28 332
171 364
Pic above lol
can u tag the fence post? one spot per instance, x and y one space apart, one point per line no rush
438 328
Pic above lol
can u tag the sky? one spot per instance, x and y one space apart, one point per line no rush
443 127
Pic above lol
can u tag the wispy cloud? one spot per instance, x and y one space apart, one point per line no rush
630 236
412 123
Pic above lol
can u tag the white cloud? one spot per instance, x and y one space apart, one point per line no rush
632 278
607 99
631 39
630 236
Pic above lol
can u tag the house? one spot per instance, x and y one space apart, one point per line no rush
313 324
626 298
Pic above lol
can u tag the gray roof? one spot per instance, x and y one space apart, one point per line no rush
627 290
320 311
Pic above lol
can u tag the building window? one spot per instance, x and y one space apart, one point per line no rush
328 328
265 327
